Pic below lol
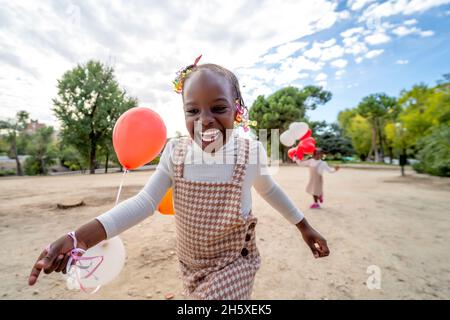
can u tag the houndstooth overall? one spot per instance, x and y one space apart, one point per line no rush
215 244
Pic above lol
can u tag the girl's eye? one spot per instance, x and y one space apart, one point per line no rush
219 109
192 111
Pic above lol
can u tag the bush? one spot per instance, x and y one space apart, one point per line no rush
7 172
434 152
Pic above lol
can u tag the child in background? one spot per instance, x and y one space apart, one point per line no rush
216 242
316 169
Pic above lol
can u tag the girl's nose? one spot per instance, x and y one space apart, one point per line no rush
206 119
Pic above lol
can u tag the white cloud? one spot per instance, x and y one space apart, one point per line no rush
283 51
333 52
314 52
403 31
339 73
321 77
147 44
350 32
374 53
400 61
302 63
377 38
327 44
358 60
339 63
427 33
395 7
410 22
357 48
358 4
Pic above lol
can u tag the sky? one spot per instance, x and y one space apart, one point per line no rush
352 48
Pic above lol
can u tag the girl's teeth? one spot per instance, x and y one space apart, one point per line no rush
210 135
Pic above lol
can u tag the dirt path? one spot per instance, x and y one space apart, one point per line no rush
370 218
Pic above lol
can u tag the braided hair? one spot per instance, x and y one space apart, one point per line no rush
232 79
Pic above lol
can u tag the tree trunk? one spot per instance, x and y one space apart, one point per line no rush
92 156
391 154
373 147
106 162
380 137
16 156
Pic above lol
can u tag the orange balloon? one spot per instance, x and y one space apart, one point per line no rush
166 204
138 137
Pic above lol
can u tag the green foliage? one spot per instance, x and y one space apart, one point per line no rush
358 129
15 129
89 103
285 106
434 154
42 153
70 158
7 172
330 137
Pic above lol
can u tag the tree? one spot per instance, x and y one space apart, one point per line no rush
423 109
15 128
41 151
376 108
285 106
88 104
434 152
70 158
331 138
358 130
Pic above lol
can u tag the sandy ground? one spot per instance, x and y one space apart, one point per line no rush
370 218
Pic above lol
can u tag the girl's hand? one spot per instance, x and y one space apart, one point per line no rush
55 259
313 239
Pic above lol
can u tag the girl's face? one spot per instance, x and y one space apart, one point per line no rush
209 108
318 155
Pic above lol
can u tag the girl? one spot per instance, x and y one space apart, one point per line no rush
316 168
215 225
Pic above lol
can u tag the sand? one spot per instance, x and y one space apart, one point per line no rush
372 219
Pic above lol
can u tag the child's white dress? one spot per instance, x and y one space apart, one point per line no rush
316 170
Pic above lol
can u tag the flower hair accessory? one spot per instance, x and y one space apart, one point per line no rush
241 119
182 74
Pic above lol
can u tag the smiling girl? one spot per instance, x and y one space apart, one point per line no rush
215 224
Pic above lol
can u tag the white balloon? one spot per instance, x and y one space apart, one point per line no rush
113 253
287 139
298 129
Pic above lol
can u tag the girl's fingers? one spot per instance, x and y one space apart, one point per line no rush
323 248
314 250
58 262
62 266
48 260
36 270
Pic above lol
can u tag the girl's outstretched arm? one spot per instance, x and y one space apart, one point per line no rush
113 222
278 199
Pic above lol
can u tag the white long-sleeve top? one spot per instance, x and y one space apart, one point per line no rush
320 165
201 166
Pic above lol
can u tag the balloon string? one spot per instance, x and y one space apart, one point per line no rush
120 187
75 256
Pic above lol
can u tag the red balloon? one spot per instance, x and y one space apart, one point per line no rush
307 134
308 145
292 152
138 137
300 153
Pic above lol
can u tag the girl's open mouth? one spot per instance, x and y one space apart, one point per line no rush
210 135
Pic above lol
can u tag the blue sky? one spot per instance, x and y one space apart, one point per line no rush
352 48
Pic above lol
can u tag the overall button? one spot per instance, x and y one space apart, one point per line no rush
244 252
248 237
